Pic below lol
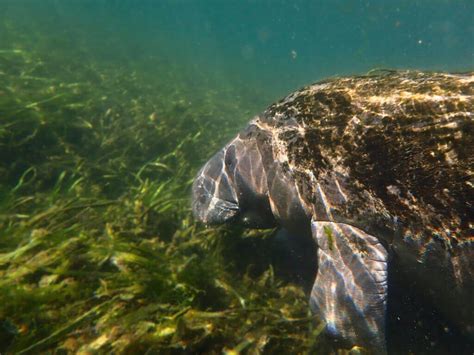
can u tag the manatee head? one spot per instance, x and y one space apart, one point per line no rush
232 186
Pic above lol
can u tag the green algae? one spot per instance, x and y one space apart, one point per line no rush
98 249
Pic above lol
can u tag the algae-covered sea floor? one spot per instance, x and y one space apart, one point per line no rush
98 248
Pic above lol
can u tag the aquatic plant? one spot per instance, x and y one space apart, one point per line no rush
98 249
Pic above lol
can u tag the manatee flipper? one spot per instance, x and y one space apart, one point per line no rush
350 290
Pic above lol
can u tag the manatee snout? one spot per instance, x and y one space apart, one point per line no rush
230 188
214 199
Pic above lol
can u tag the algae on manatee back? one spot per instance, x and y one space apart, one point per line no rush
328 233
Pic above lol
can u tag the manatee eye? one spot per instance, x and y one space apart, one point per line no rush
202 199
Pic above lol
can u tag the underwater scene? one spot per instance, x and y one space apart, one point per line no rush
110 108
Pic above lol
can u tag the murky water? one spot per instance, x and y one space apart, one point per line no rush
107 110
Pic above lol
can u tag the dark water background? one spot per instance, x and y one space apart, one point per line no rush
105 102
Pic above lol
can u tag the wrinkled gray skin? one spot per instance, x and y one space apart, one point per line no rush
370 166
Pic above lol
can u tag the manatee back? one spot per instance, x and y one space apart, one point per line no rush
403 138
391 154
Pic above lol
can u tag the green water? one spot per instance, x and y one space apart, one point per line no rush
107 110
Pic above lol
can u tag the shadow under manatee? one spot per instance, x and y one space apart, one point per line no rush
295 258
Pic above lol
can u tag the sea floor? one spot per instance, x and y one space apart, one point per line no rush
98 250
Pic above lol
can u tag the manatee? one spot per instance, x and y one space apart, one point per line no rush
378 169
